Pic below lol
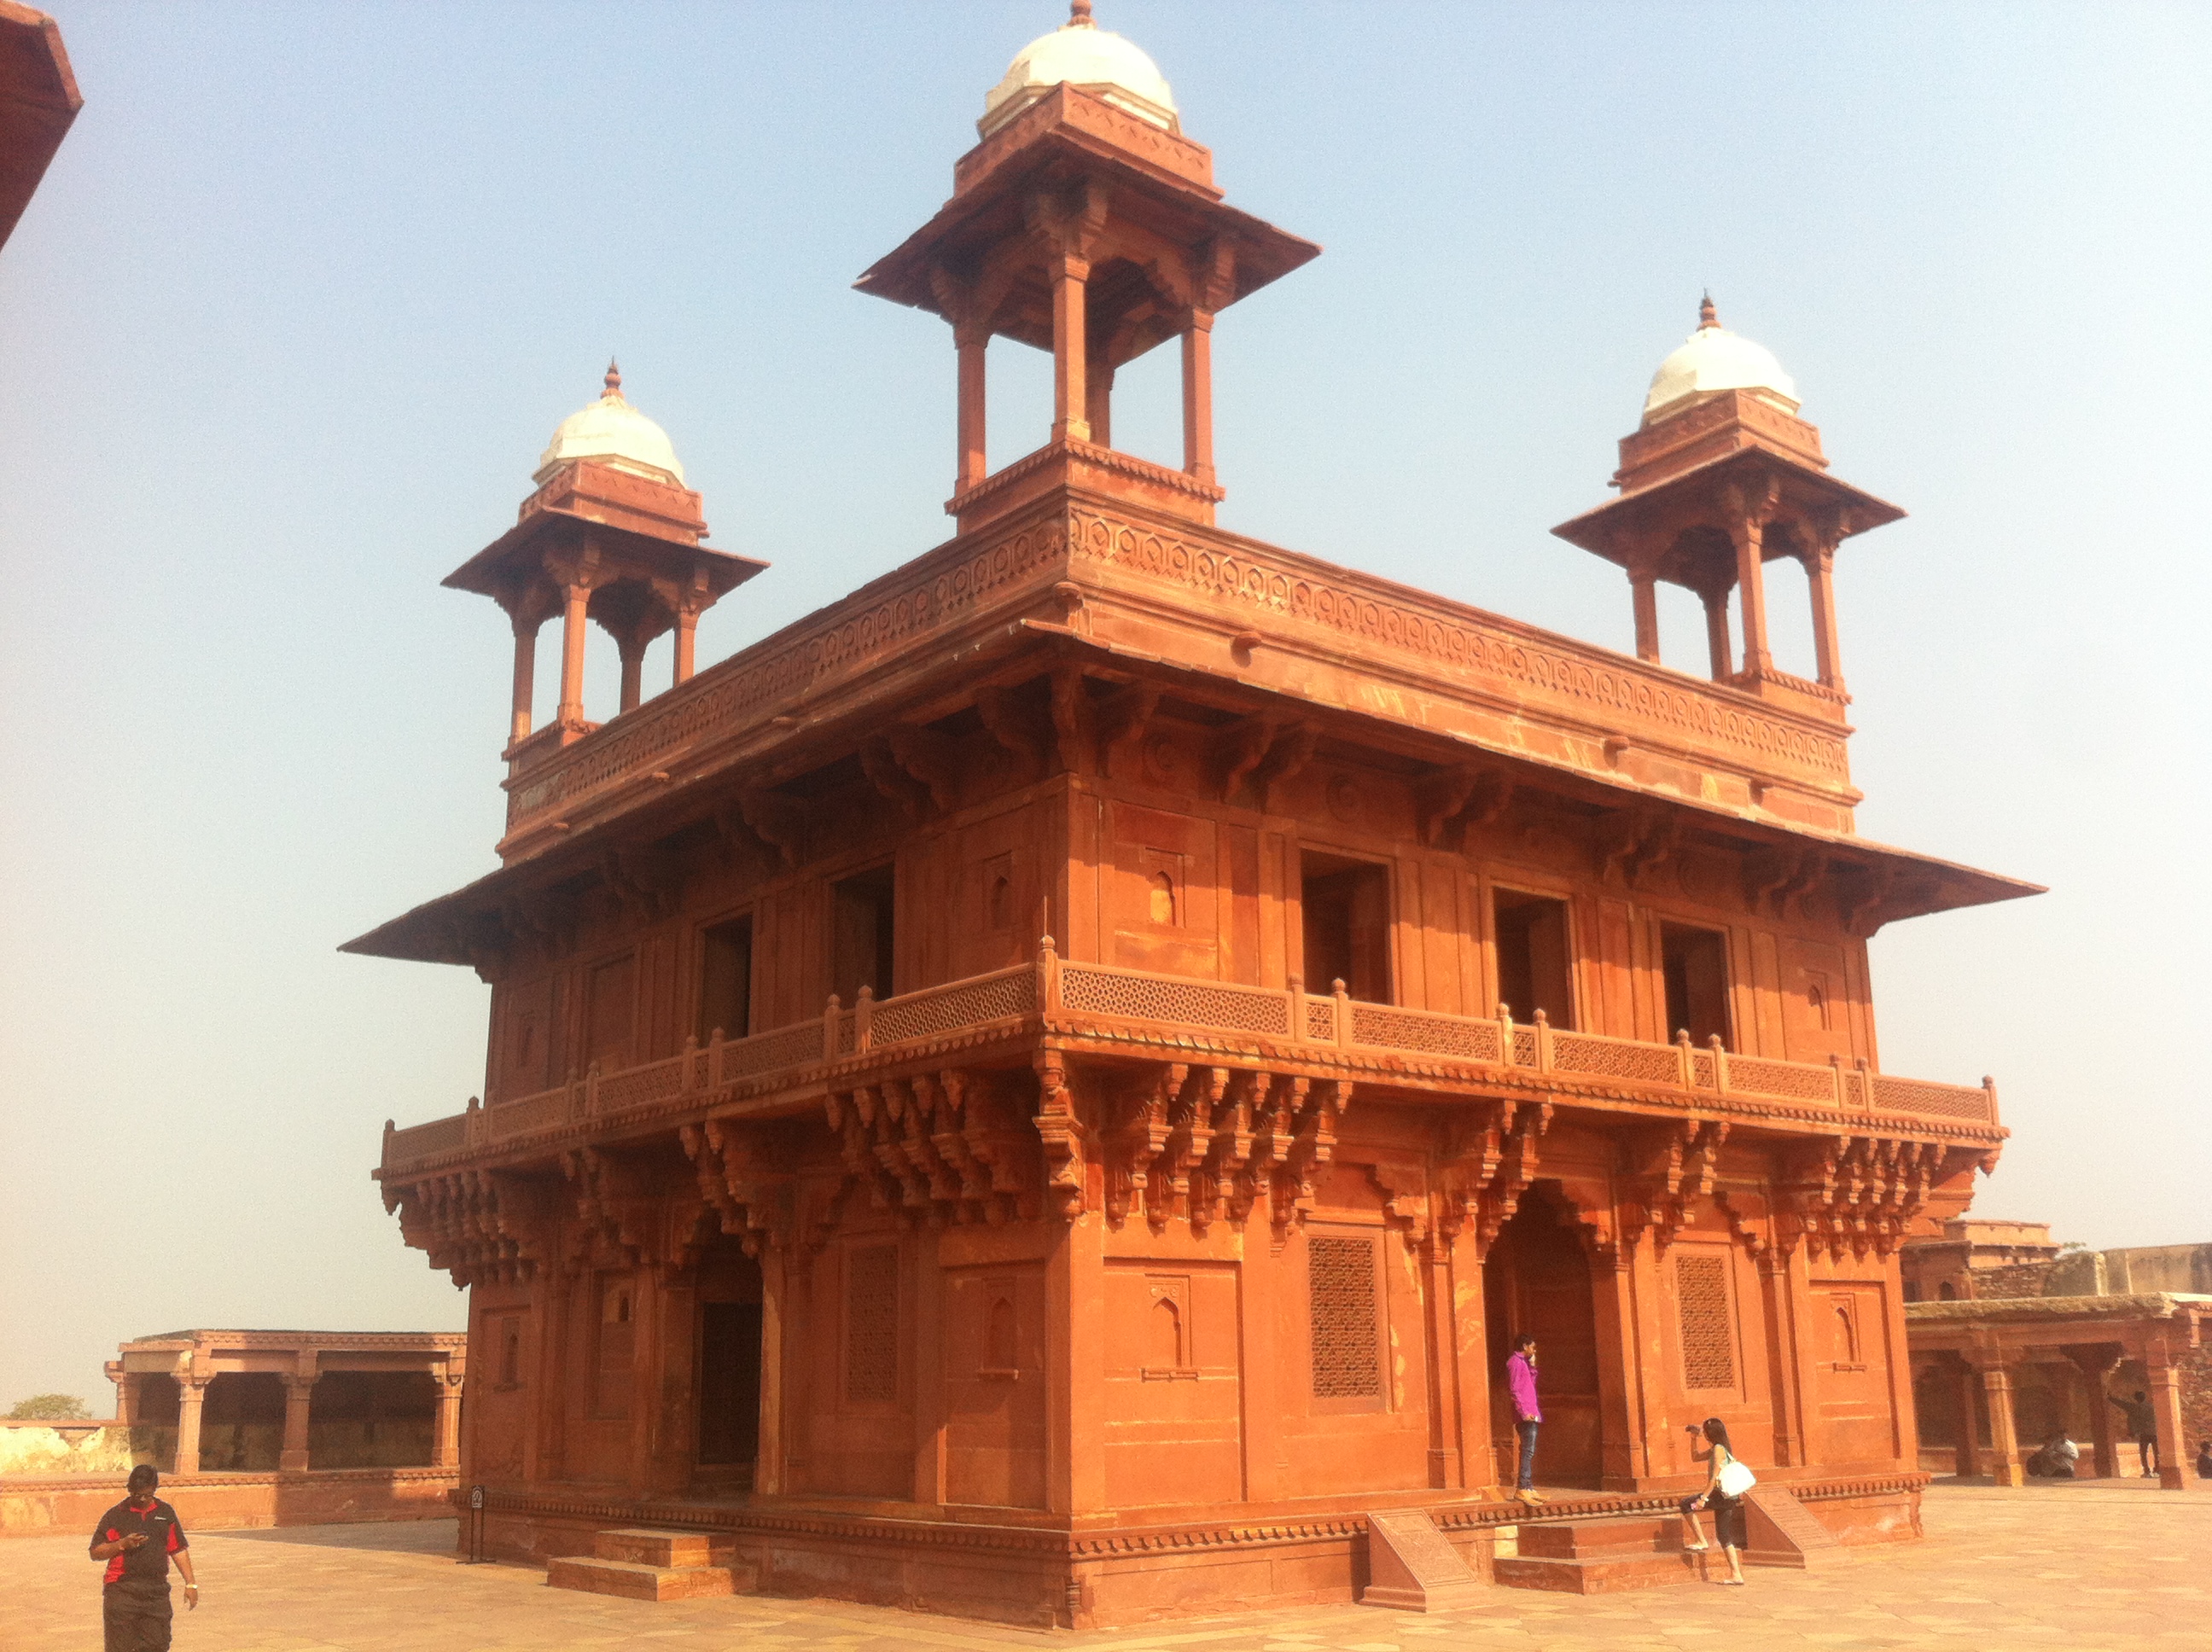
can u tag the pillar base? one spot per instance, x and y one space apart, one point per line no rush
2173 1477
1065 464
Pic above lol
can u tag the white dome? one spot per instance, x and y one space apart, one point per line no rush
1716 358
612 430
1083 55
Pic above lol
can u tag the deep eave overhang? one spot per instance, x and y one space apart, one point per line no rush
39 100
491 568
427 933
1264 252
1595 529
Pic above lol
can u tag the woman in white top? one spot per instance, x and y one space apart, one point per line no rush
1727 1500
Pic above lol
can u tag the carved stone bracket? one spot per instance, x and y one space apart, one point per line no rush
1206 1144
1859 1194
938 1148
777 820
1632 843
744 1176
1121 718
480 1227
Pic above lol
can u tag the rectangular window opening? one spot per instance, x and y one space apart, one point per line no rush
861 908
1695 962
726 981
1347 906
1535 956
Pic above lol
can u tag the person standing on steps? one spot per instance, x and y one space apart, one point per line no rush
2142 1423
137 1539
1527 1413
1723 1491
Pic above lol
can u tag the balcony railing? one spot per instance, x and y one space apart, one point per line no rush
1307 1026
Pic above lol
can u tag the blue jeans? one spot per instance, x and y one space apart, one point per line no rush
1528 1455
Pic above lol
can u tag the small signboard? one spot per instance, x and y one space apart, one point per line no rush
475 1526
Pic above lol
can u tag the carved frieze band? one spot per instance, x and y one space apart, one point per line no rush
1434 637
940 591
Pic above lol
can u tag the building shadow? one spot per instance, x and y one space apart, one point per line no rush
396 1536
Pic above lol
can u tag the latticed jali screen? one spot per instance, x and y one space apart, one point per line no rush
1340 1276
871 1294
1707 1340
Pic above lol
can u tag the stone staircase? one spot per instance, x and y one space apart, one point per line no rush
640 1564
1600 1555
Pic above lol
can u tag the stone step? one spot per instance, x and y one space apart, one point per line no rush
636 1582
1604 1575
1617 1538
646 1546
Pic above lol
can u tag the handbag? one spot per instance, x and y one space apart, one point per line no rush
1735 1478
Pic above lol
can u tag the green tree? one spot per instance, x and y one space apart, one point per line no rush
48 1407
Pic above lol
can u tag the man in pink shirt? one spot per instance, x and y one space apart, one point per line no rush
1527 1414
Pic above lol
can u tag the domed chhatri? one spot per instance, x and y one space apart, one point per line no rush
1080 53
1714 359
616 433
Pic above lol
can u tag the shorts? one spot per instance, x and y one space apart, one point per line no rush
1731 1527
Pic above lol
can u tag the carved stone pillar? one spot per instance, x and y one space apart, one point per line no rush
446 1452
1447 1445
971 465
1821 578
686 627
1718 649
2173 1468
525 677
777 1265
1749 534
576 598
1070 350
1969 1462
2006 1468
632 650
669 1393
127 1409
192 1394
1644 585
1197 396
299 1396
1099 403
549 1396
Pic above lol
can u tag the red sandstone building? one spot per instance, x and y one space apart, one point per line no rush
1044 1089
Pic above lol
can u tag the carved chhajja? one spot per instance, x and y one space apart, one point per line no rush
941 1148
1670 1177
1490 1157
628 1218
480 1227
1851 1194
745 1179
1206 1144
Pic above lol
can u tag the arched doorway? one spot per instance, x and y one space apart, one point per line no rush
1536 1279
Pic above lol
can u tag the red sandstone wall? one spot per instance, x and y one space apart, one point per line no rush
38 1506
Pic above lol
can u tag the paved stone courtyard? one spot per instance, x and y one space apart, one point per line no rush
2111 1563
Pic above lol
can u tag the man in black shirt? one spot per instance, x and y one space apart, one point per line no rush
2142 1423
137 1539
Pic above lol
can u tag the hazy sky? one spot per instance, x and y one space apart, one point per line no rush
309 287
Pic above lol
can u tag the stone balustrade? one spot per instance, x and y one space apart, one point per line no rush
1138 1008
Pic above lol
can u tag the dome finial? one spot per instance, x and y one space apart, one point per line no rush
613 380
1078 15
1707 316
